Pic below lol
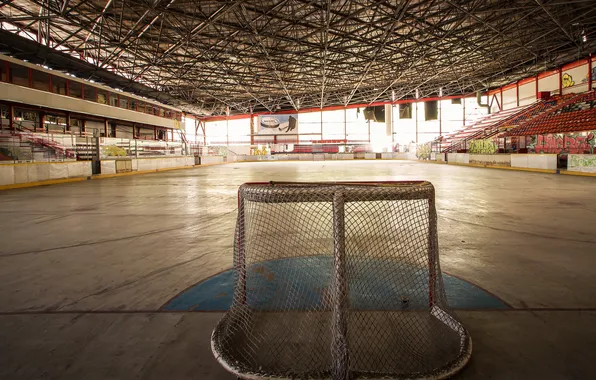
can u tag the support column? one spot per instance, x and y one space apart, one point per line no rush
393 127
590 73
84 128
321 136
339 318
11 118
440 118
416 119
105 127
560 81
252 129
67 127
517 93
345 126
40 127
464 110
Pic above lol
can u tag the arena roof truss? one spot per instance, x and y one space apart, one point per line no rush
268 55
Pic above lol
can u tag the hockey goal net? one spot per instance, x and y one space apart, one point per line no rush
339 280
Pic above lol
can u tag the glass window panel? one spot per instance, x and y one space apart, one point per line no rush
124 101
58 85
114 100
19 74
3 71
89 92
41 80
102 97
75 89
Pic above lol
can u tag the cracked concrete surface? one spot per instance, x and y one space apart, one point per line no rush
85 267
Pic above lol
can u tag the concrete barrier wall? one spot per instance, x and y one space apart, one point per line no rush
108 167
339 156
7 175
12 174
206 160
142 164
534 161
585 163
491 159
458 158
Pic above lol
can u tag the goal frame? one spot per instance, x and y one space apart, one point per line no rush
328 192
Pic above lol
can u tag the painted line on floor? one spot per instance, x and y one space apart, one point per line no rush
43 183
161 311
548 171
579 174
534 170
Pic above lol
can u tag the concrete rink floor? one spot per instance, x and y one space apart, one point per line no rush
85 267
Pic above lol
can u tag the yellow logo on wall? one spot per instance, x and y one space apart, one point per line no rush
567 80
176 124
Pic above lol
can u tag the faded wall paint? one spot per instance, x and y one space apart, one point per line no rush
582 142
487 146
582 163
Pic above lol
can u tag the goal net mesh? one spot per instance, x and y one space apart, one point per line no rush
339 280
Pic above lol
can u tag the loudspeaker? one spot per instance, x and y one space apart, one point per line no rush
376 113
369 113
380 114
431 110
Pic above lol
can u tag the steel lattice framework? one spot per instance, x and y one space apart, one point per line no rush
267 55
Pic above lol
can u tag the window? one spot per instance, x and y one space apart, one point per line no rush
124 102
162 112
3 71
18 74
142 107
431 110
132 104
89 92
41 80
113 99
102 97
75 89
405 111
58 85
456 101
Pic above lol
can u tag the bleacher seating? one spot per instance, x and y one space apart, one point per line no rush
576 114
482 128
503 121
